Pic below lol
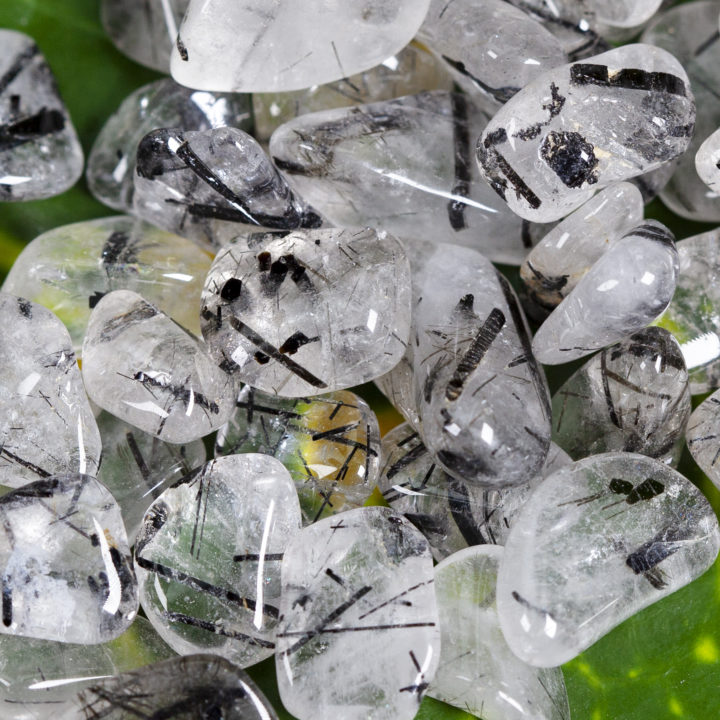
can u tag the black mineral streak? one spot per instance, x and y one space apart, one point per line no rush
627 78
463 175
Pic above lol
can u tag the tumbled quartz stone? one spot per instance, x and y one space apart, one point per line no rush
632 396
41 678
358 635
330 444
46 424
707 162
478 672
483 398
448 511
555 265
144 30
625 290
142 367
208 557
161 104
546 155
301 313
409 71
703 436
404 166
625 13
183 688
253 47
137 467
40 154
70 268
210 185
595 543
398 386
67 573
492 48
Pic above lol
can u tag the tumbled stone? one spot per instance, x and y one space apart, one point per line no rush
161 104
405 166
184 688
555 265
358 636
142 367
46 424
208 557
137 467
297 314
595 543
67 573
625 290
40 154
545 155
144 30
68 269
483 398
330 444
478 672
703 435
707 162
651 184
633 396
625 13
253 47
398 386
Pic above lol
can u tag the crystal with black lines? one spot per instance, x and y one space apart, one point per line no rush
208 557
545 155
40 154
330 444
46 424
595 543
66 569
358 635
211 185
142 367
624 291
307 312
632 396
703 437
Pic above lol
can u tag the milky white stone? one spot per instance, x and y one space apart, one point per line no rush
46 424
255 47
478 672
142 367
66 568
596 542
702 436
296 314
626 289
706 162
359 636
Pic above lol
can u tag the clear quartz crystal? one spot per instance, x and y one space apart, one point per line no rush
703 435
707 162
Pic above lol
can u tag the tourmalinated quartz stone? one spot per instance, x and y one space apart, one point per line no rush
142 367
183 688
68 269
483 398
66 568
253 47
478 672
555 265
410 71
448 511
626 289
633 396
546 155
145 30
330 444
208 557
405 166
40 154
46 424
137 467
493 48
41 678
703 437
297 314
707 162
595 543
398 386
161 104
358 635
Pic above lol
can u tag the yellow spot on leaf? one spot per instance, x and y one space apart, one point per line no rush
706 650
590 675
635 672
675 707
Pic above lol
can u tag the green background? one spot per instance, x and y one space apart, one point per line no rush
662 663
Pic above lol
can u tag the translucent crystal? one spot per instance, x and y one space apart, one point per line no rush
208 557
595 543
707 162
398 386
703 437
625 13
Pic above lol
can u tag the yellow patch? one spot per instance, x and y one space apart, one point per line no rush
675 707
590 675
635 672
706 650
